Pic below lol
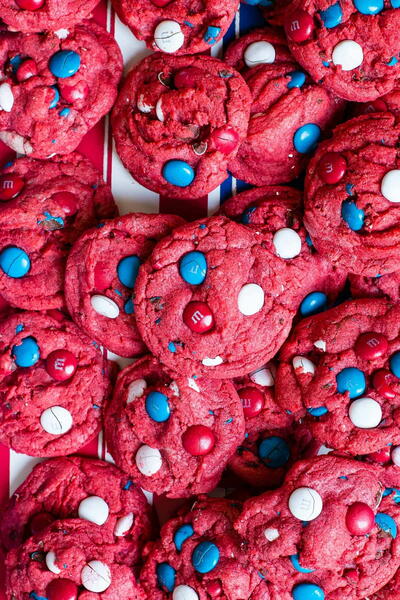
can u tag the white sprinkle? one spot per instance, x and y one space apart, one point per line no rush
321 345
271 534
212 362
136 390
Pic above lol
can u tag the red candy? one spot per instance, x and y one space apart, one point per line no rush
225 139
61 589
30 4
40 521
252 401
214 589
198 440
370 346
382 456
10 186
382 381
61 365
188 78
332 167
73 93
67 202
102 278
300 26
198 317
360 518
26 70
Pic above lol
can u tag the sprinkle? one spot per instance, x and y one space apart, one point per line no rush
393 61
260 575
349 188
211 412
246 435
53 220
230 420
157 321
188 24
309 240
19 328
202 226
378 276
8 164
37 556
343 477
118 292
96 406
36 596
65 566
128 484
53 141
100 225
64 112
325 63
95 186
171 347
225 74
289 412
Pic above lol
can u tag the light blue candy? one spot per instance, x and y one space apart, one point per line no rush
394 363
64 63
14 262
294 559
274 451
178 172
318 411
313 303
183 533
64 112
386 523
157 407
395 3
353 216
369 7
193 267
306 138
166 576
210 36
392 62
127 270
332 16
297 79
56 98
351 380
205 557
308 591
27 353
128 307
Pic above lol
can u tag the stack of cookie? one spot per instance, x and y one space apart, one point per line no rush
261 345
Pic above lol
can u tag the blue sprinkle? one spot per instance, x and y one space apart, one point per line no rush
15 62
387 492
332 16
100 225
202 226
393 61
246 435
64 112
53 141
49 217
128 484
289 412
157 321
194 376
343 477
349 189
210 36
309 240
294 559
36 596
130 309
304 523
229 420
378 276
56 98
325 63
211 412
188 24
95 186
19 328
386 523
8 164
171 347
260 575
245 219
96 406
317 412
118 292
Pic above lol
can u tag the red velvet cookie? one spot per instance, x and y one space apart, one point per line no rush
101 273
200 556
383 286
55 88
352 48
173 435
342 369
44 15
390 102
274 11
44 208
178 26
178 121
352 196
74 487
53 381
67 559
289 112
212 300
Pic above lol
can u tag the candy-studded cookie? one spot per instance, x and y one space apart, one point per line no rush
44 15
381 286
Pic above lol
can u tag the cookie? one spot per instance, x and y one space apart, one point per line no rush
351 196
56 87
390 591
53 381
390 102
212 301
273 11
44 208
69 557
172 434
100 276
326 530
289 112
177 27
200 556
74 487
178 121
44 15
350 47
382 286
341 369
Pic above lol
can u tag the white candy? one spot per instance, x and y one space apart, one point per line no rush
184 592
104 306
62 34
142 106
264 376
148 460
94 509
287 243
136 389
365 413
96 576
16 142
348 54
193 385
320 345
396 456
212 362
123 525
250 299
390 186
305 504
56 420
6 97
271 534
51 563
173 386
168 36
159 112
259 53
303 364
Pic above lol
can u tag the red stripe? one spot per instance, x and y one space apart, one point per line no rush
188 209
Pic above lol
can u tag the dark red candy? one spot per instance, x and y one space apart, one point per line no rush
214 589
10 186
225 139
30 4
73 93
360 518
67 201
198 317
252 401
382 381
40 521
26 70
61 589
378 105
299 26
61 364
332 167
370 346
188 77
198 440
381 456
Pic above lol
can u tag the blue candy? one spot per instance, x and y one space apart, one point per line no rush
193 267
247 214
178 172
294 559
16 61
127 270
205 557
166 576
64 63
64 112
306 138
353 216
183 533
351 380
297 79
274 451
313 303
395 3
332 16
317 412
157 407
210 36
14 262
369 7
27 353
394 364
128 307
386 523
56 98
308 591
392 62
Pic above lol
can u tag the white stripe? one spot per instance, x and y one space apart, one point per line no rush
20 467
100 439
237 24
214 200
